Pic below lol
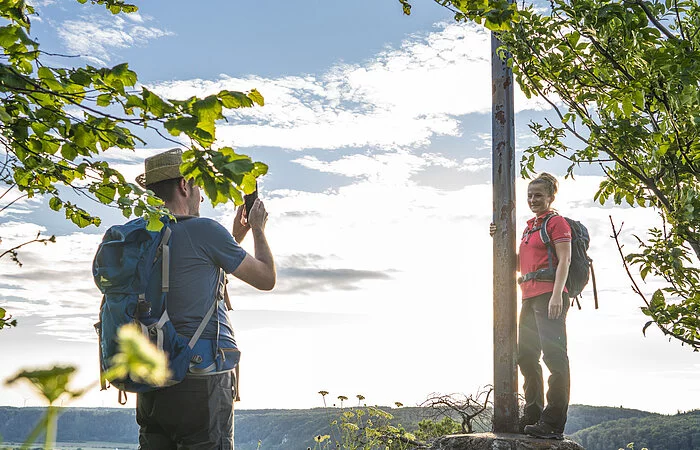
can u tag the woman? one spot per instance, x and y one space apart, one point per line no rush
542 325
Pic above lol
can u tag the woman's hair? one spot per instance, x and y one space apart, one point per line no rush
550 183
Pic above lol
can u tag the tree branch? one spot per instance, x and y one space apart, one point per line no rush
12 202
638 291
13 251
655 21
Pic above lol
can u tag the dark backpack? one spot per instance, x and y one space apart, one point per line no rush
131 268
581 267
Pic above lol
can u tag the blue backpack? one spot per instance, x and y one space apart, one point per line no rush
581 267
131 269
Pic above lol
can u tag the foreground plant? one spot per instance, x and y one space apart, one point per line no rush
365 428
137 357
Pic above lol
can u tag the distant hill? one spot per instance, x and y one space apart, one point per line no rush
655 432
74 424
296 428
596 427
584 416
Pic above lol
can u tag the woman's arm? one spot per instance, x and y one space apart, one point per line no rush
556 303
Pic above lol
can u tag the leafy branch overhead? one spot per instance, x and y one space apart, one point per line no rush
56 122
623 79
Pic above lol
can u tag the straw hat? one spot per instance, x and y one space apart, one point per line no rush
163 166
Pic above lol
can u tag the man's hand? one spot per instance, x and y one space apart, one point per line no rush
258 271
492 229
257 217
556 305
240 225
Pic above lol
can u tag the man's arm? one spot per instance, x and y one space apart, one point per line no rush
258 271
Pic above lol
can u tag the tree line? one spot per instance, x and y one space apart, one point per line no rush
595 427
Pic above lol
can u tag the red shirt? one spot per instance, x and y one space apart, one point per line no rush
533 252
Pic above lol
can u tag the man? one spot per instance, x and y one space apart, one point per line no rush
198 412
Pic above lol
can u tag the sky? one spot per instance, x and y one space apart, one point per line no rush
376 128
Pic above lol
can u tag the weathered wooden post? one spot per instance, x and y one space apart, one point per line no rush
505 375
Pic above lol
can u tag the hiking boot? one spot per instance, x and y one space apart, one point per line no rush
544 431
526 420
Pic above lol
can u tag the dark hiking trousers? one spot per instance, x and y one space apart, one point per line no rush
540 335
195 414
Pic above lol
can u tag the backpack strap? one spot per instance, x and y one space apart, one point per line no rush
547 241
98 329
595 288
203 324
220 286
548 273
164 249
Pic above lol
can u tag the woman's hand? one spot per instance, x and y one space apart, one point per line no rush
556 306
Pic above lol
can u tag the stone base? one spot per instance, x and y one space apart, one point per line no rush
501 441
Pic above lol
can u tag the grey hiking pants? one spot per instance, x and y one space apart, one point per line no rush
540 335
196 414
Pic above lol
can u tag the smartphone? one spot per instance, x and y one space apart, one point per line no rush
249 199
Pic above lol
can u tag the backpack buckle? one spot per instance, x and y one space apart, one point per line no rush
143 307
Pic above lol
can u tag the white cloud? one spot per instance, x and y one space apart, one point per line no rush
388 167
398 99
41 3
135 17
55 280
94 37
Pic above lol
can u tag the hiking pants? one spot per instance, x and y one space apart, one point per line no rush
537 335
195 414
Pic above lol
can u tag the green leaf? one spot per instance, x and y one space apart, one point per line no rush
55 203
256 97
259 169
4 116
233 99
208 111
69 151
80 220
627 106
45 73
154 104
154 223
153 201
657 300
104 100
51 383
106 193
248 183
181 125
240 166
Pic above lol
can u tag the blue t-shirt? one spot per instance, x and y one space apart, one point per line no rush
198 248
